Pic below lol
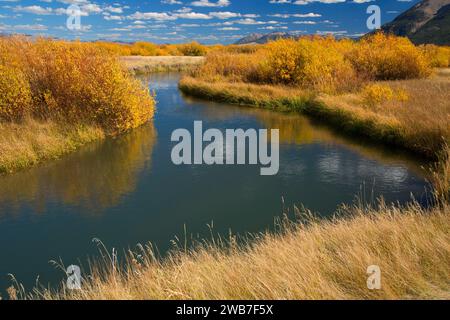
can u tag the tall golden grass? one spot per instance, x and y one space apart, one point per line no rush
32 141
417 109
313 259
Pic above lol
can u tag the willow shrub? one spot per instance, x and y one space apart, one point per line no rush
375 94
322 64
234 67
387 57
15 94
79 82
316 63
438 57
192 49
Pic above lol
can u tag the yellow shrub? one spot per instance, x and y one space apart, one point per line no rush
376 94
234 67
15 94
438 57
313 63
76 82
387 57
143 49
284 61
192 49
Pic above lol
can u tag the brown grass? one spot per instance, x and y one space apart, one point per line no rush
32 141
418 122
142 64
313 260
423 119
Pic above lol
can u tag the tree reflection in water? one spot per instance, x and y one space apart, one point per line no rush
96 177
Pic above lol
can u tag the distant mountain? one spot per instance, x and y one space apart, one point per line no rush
252 38
264 38
426 22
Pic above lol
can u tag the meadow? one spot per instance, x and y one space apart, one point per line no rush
56 96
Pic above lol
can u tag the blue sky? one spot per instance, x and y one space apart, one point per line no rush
206 21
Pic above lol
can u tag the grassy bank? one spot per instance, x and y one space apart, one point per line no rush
419 124
144 65
56 96
34 141
313 260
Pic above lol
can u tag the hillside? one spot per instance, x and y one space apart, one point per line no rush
426 22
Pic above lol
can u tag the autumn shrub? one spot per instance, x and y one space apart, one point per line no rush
168 50
75 82
233 67
312 63
387 57
438 57
375 94
15 94
114 48
192 49
321 64
141 48
248 49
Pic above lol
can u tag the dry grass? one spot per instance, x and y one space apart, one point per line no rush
423 119
314 260
32 141
418 122
142 64
279 98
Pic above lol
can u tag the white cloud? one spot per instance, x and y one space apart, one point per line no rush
209 3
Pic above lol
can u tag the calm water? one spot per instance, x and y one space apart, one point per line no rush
126 191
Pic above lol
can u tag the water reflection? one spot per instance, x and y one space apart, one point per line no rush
95 178
296 129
